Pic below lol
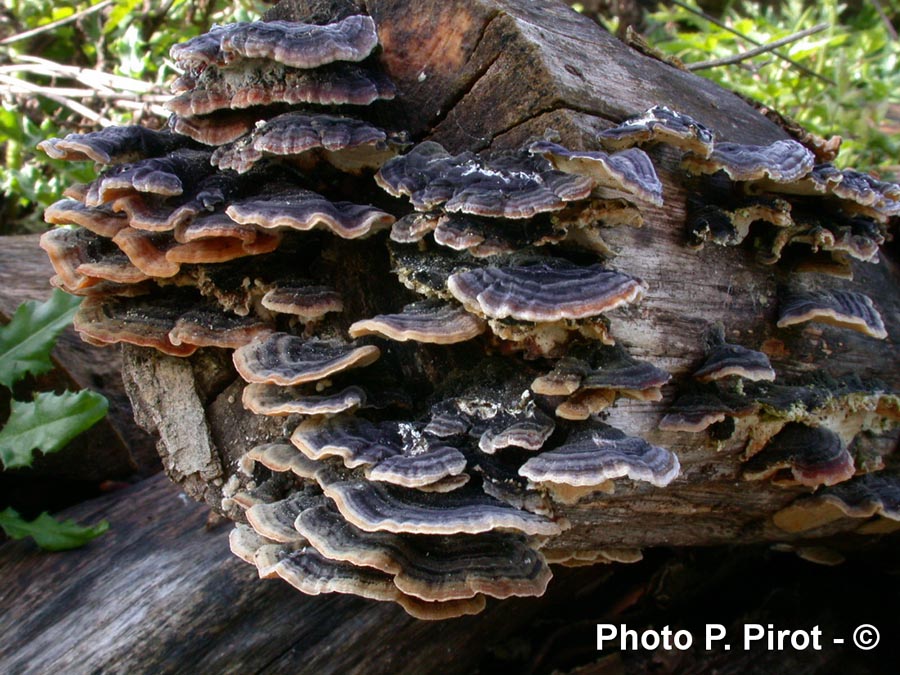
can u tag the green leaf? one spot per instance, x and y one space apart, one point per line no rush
50 534
47 423
26 341
121 13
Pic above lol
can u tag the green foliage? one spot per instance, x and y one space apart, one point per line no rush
47 424
26 341
130 38
856 53
49 421
49 533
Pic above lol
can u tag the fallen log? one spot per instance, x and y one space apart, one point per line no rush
156 594
736 461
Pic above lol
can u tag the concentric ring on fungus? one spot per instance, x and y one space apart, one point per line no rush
300 45
847 309
543 292
432 568
378 507
597 455
286 359
442 474
428 321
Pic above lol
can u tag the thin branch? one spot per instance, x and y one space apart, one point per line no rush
13 85
157 110
55 24
749 39
83 110
762 49
86 76
66 96
153 20
887 22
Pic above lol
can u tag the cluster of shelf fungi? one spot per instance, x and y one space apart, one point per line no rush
237 229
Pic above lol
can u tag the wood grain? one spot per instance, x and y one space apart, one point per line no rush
476 74
161 593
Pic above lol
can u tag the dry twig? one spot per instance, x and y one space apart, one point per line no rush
762 49
723 26
117 91
55 24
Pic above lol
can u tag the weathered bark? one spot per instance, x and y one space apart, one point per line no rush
156 594
491 74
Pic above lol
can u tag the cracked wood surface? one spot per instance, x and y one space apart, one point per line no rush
469 72
494 73
160 593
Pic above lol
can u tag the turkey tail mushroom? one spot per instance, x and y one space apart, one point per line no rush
429 373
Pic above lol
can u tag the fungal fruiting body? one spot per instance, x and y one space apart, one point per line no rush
421 434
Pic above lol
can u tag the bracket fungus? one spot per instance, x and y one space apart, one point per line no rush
81 259
443 568
300 45
660 124
593 379
112 145
305 300
550 291
102 221
514 186
443 337
304 210
166 176
781 161
729 227
847 309
286 359
348 143
391 452
863 497
271 399
597 455
814 455
726 360
383 508
693 412
426 321
494 421
264 84
630 171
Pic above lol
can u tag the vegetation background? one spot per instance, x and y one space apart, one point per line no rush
75 65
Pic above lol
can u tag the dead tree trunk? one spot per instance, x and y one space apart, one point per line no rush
493 74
